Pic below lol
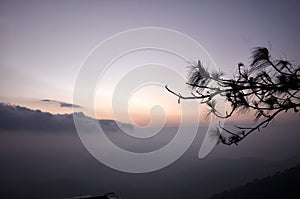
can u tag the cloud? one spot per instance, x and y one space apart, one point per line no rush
62 104
20 118
13 117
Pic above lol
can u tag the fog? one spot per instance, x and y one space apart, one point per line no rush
52 165
38 163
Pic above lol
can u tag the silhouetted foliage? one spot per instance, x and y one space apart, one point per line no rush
267 87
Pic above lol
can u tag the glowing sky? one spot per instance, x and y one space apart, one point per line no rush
44 43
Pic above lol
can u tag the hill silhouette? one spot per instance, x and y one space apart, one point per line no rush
281 185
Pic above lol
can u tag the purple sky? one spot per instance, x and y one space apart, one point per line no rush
44 43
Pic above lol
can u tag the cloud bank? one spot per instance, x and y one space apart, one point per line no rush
14 117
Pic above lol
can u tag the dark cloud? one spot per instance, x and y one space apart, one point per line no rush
13 117
62 104
21 118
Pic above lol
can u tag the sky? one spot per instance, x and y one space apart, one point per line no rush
43 45
43 48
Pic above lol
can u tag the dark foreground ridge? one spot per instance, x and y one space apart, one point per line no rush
281 185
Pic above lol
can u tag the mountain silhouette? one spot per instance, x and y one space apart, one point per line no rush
281 185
